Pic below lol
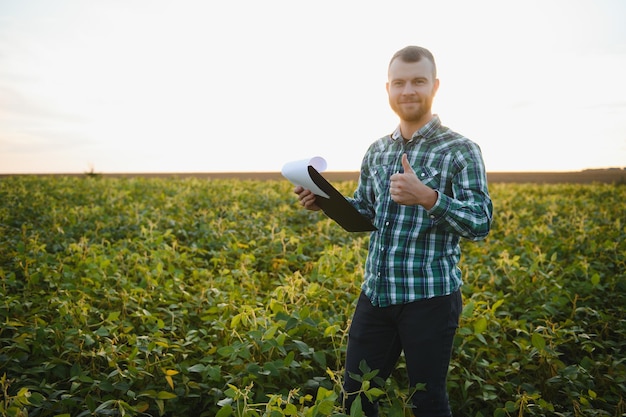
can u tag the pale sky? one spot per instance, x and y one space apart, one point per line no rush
213 86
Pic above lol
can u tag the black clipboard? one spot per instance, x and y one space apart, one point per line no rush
338 208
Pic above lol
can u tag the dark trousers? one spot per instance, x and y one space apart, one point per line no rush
423 329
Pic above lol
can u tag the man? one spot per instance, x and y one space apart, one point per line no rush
424 187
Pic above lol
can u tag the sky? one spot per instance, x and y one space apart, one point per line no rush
249 85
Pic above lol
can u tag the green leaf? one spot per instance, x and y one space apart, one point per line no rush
538 341
480 325
164 395
374 393
497 304
290 410
148 393
104 406
325 407
225 411
102 332
356 409
595 279
468 310
113 316
196 368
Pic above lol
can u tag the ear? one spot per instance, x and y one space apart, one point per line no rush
435 86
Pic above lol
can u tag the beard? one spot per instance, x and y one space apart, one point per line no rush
413 113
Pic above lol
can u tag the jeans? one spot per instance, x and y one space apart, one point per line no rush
424 330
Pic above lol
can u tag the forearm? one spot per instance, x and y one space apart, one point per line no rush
469 219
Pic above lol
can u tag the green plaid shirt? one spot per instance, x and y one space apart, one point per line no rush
414 253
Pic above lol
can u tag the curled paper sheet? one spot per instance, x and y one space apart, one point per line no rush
298 173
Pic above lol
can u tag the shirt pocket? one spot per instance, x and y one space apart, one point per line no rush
382 178
429 176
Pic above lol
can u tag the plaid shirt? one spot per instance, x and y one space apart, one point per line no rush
414 253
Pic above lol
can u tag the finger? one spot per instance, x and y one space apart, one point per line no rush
405 164
309 201
307 196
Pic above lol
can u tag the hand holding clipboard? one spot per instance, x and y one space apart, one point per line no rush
306 174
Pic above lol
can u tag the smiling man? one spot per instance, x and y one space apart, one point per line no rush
424 187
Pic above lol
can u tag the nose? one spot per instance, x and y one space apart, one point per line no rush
408 89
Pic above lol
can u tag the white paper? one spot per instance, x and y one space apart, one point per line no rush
298 173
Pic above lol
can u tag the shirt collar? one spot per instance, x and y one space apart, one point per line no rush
424 132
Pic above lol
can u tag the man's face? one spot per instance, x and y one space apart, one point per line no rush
411 88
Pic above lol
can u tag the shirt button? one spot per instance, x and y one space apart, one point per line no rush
422 175
386 223
432 216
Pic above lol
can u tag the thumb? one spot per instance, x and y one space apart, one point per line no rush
405 164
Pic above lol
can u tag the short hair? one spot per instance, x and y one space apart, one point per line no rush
415 54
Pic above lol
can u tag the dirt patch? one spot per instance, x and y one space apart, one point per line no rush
611 175
576 177
589 176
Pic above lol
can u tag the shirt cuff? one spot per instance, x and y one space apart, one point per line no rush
439 209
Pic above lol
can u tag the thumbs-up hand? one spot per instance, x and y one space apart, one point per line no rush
406 189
